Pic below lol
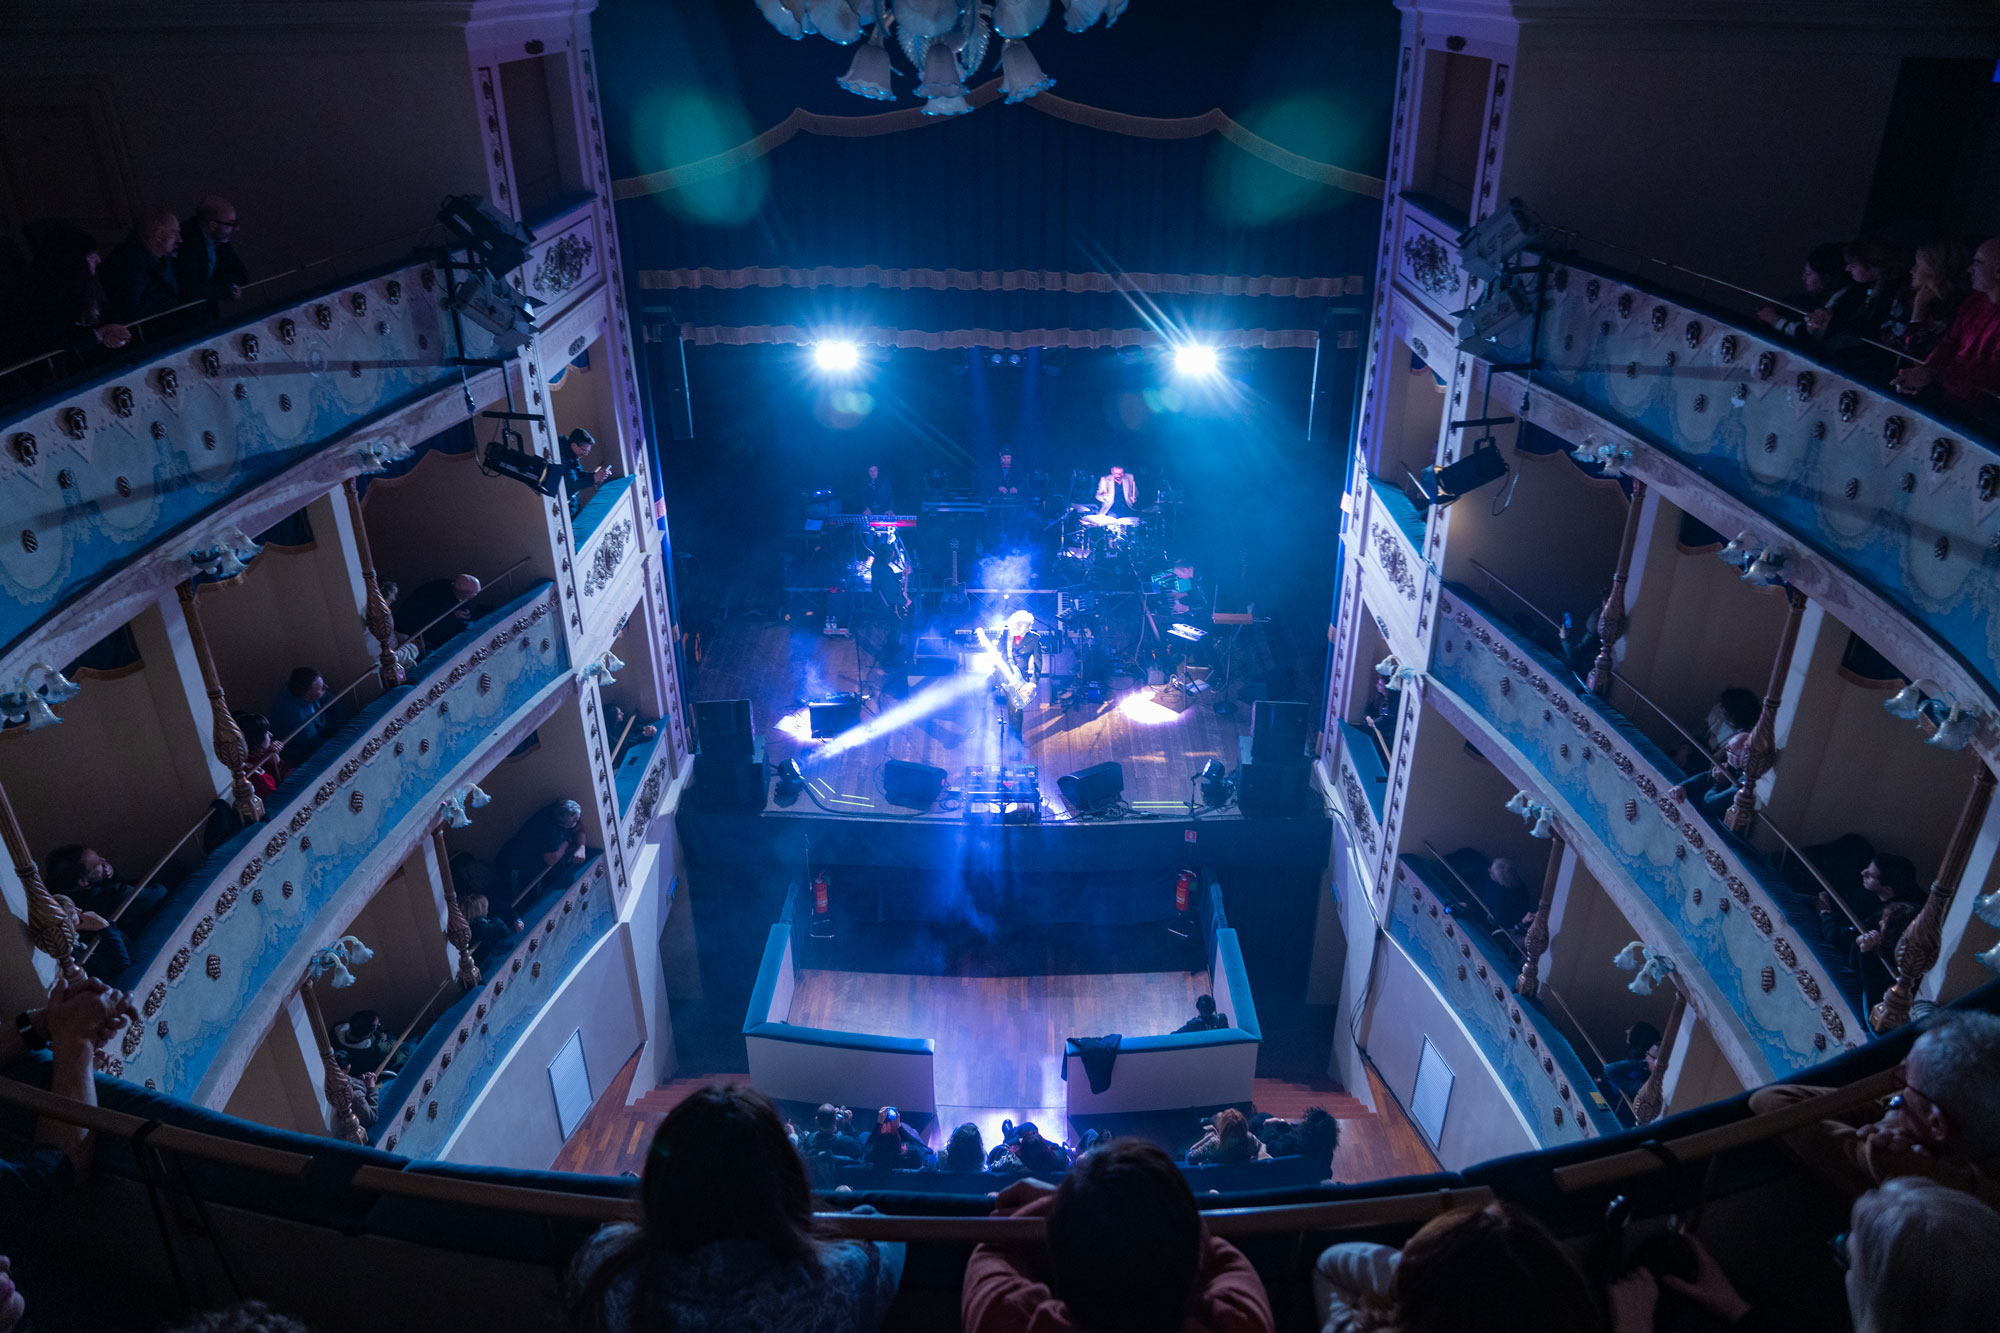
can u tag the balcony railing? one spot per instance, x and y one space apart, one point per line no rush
1392 544
1536 1067
103 468
351 814
1902 497
469 1042
1701 898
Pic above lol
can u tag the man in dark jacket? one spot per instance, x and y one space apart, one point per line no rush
209 265
139 275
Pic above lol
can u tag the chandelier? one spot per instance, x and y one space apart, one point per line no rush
945 41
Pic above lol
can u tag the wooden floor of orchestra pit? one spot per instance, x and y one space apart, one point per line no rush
776 665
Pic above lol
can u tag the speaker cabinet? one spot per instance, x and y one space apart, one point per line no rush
735 786
912 786
1275 789
1093 788
724 728
1278 730
834 716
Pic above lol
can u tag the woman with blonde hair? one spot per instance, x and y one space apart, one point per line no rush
1923 309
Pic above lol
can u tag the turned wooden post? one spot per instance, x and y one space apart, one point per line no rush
1537 944
51 916
339 1093
457 929
1651 1098
1763 747
230 747
376 613
1917 951
1611 620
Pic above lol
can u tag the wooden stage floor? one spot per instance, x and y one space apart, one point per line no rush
999 1039
951 723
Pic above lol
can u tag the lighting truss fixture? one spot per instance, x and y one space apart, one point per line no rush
1485 248
791 783
837 356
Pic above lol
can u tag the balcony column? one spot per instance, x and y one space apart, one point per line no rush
1917 951
1611 620
1763 749
339 1096
1651 1098
51 918
1537 943
230 747
457 929
376 614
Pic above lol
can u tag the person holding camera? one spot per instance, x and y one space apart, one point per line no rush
832 1136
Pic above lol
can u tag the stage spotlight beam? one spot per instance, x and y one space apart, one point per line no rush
1195 360
836 356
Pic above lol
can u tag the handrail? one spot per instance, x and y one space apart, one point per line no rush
1470 893
1764 815
411 1026
1737 1134
174 1138
1388 750
374 671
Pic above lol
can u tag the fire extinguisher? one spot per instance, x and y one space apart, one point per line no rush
819 894
1183 886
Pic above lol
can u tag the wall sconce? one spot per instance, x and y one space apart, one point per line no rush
335 959
1651 968
601 669
28 702
1766 571
1394 673
376 455
226 557
455 805
1923 699
1740 551
1534 813
1608 457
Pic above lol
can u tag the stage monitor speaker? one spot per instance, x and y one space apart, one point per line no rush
912 786
1278 730
1274 789
1093 788
724 728
731 785
833 716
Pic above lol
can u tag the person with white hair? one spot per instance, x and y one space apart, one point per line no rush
541 856
1943 1123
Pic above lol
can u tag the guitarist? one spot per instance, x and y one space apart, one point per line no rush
1012 688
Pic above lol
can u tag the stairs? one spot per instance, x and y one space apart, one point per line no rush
1289 1101
667 1096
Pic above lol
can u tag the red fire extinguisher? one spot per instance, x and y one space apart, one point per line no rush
1183 884
819 894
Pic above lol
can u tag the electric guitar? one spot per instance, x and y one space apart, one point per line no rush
1018 690
954 602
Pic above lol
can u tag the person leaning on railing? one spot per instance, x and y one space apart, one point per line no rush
88 880
1943 1124
1965 365
63 305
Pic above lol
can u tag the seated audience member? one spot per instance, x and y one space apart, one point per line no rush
1822 279
88 880
366 1044
139 274
1715 790
438 611
489 933
263 751
1228 1141
1886 882
1315 1135
1205 1019
528 865
1579 641
1024 1151
894 1146
363 1095
210 268
616 716
576 476
243 1317
1628 1075
728 1239
1923 311
1510 900
1472 1270
65 308
1944 1124
1877 273
964 1153
299 713
832 1135
1126 1252
1965 363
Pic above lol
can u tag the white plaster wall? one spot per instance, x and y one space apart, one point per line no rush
283 1085
513 1123
1585 930
1697 1074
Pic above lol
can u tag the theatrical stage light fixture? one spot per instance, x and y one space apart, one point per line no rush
836 358
791 783
1195 360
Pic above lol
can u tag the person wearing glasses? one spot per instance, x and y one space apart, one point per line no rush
1943 1123
210 268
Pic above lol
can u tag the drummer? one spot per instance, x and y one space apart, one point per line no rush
1117 494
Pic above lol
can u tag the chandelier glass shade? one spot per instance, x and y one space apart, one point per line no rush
946 42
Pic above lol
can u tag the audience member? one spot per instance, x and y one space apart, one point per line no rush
577 477
1627 1076
264 752
1944 1124
363 1094
139 274
210 268
832 1135
89 880
728 1240
553 836
1965 363
1922 1258
965 1152
367 1044
1024 1150
1734 711
1887 894
490 934
65 307
1923 310
1205 1019
243 1317
298 713
1473 1270
616 716
1822 278
1126 1253
438 611
1877 273
1507 896
1314 1135
894 1146
1714 791
1227 1141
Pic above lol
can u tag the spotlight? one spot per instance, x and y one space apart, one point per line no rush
1195 360
495 306
503 458
836 358
1215 784
791 783
497 242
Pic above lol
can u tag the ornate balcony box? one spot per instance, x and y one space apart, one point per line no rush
1395 572
1363 786
1687 886
1532 1061
1903 498
1425 262
108 466
467 1045
567 258
279 888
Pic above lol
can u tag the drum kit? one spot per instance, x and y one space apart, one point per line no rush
1105 549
